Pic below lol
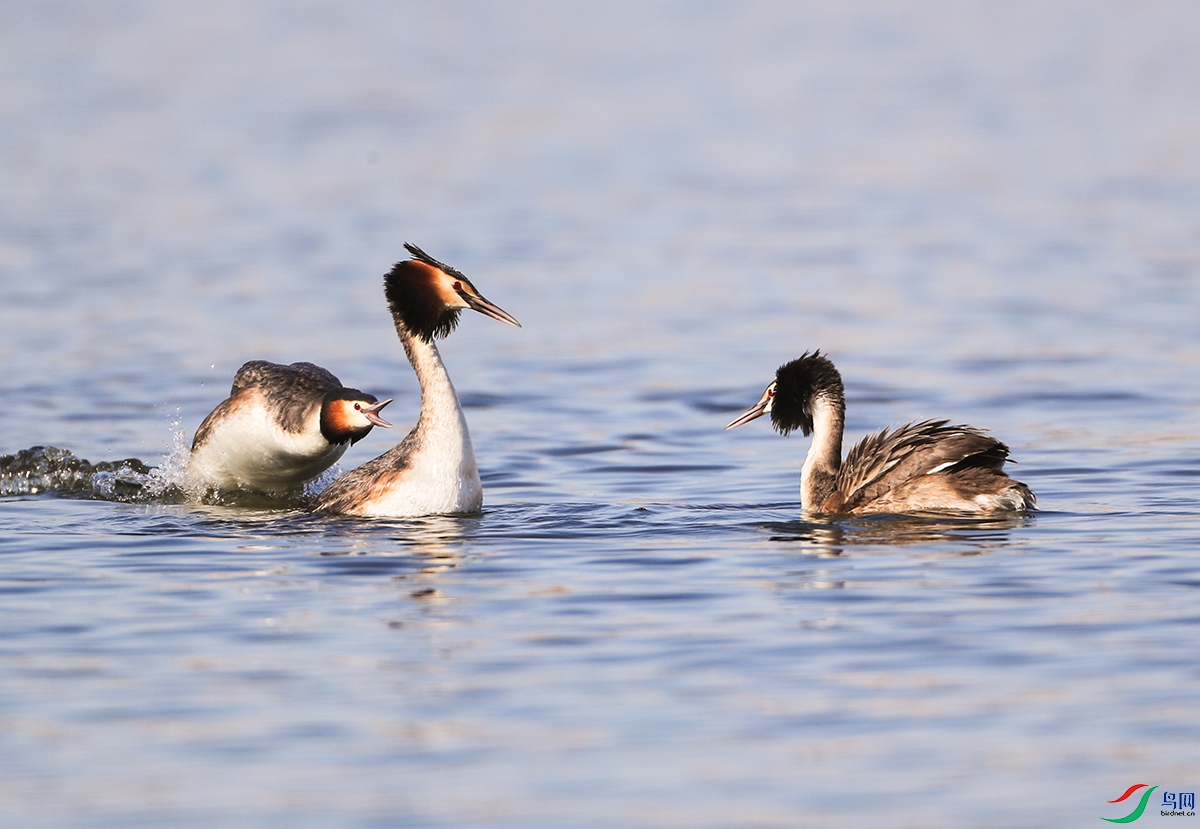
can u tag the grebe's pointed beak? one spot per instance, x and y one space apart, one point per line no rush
478 303
371 413
757 410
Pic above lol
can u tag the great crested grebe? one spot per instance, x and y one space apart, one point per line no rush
432 471
280 427
920 467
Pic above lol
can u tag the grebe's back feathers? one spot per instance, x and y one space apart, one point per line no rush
886 459
302 377
290 391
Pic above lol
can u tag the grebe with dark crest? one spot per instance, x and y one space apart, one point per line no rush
920 467
280 427
432 471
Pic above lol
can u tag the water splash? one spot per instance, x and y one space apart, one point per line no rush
43 469
49 470
171 482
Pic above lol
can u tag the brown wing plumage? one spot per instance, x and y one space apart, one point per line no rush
291 391
300 377
888 459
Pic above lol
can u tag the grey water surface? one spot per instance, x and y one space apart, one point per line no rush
985 212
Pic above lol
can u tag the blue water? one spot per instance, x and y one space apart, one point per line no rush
982 212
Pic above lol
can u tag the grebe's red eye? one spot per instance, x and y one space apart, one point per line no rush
457 286
770 392
358 407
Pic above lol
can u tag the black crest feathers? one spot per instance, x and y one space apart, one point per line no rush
422 256
797 385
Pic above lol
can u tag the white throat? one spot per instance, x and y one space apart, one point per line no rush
825 452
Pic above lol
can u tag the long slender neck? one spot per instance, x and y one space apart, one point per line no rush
441 414
824 459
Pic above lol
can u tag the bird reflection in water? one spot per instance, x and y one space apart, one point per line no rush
830 537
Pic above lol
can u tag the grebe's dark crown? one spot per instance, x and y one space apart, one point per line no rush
797 386
350 394
422 256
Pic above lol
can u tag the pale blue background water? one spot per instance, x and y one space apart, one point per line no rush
987 212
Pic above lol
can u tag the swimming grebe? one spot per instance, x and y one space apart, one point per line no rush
280 427
920 467
432 471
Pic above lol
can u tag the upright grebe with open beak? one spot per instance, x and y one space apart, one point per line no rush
280 427
920 467
432 471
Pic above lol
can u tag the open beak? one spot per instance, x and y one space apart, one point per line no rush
478 303
757 410
371 413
